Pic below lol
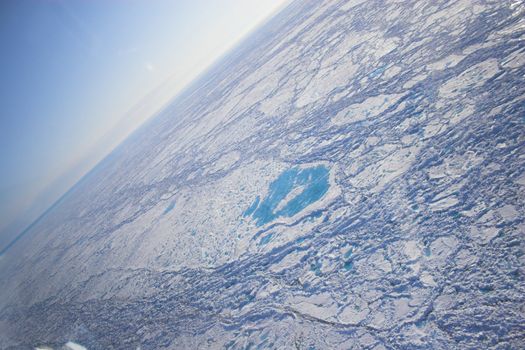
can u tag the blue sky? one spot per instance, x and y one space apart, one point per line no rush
78 76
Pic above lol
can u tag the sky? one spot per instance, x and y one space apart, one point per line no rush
79 76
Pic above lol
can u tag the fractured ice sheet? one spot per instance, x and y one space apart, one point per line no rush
350 177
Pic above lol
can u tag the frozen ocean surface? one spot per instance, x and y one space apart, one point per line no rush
352 176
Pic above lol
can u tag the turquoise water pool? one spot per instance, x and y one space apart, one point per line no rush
310 183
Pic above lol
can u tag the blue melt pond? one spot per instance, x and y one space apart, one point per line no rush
313 182
252 207
169 207
266 239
